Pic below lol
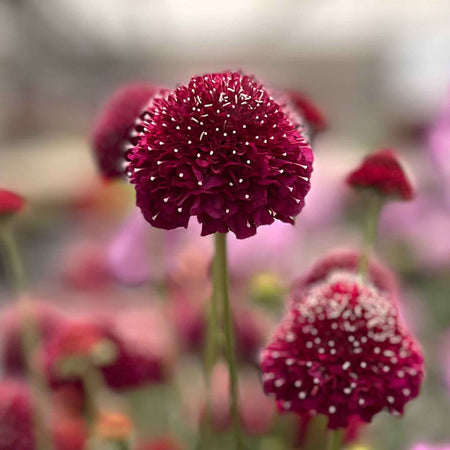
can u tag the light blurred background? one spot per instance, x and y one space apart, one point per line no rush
379 70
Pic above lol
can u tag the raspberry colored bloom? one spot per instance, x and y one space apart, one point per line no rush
10 202
309 111
347 260
382 172
15 411
223 150
16 429
112 129
138 357
342 352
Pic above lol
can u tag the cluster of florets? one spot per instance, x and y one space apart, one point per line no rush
342 351
222 149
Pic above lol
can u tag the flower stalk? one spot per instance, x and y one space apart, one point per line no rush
335 439
29 337
220 295
375 203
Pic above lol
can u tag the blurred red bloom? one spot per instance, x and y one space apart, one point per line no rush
382 172
111 133
139 349
342 351
48 320
309 111
220 149
68 433
10 202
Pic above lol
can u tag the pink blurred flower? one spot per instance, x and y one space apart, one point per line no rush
256 411
143 345
10 203
439 141
84 266
423 226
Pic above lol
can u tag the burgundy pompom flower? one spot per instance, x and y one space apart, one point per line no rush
313 116
10 203
112 129
223 150
382 172
342 351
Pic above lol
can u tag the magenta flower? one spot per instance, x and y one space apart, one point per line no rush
342 351
111 133
10 203
223 150
313 116
382 172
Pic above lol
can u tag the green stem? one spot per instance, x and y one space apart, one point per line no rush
210 355
375 202
29 338
92 383
335 439
220 293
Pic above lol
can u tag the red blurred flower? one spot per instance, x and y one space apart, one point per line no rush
309 111
15 411
342 352
382 172
10 202
47 319
16 428
221 149
138 348
112 129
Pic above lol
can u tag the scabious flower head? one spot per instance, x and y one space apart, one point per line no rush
313 116
111 133
10 203
222 149
382 172
342 351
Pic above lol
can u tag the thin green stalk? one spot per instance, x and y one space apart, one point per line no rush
335 439
210 356
29 338
375 202
220 291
